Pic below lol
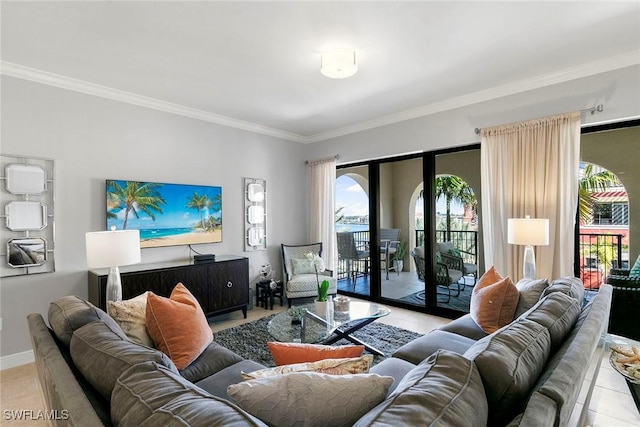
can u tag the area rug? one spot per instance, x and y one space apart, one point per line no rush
250 340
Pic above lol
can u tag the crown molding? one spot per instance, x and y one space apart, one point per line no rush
64 82
623 60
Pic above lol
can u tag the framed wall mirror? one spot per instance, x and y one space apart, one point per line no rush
26 252
255 212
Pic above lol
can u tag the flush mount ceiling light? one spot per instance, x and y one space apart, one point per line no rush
338 63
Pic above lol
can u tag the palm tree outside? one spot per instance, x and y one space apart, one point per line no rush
593 180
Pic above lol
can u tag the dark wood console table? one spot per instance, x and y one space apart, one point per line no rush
220 287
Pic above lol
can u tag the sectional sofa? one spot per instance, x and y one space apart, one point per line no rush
527 373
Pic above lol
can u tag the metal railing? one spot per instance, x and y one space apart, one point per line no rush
466 241
598 253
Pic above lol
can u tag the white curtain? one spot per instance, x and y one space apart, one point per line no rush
531 168
322 190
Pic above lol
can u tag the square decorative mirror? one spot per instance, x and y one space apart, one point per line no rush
25 179
256 214
255 192
25 215
26 252
256 236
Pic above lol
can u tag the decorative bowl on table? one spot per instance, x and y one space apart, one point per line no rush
625 359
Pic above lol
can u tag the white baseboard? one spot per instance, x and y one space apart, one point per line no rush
17 359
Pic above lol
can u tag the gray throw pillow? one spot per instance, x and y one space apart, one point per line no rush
510 361
569 285
558 313
530 291
310 398
150 394
102 354
443 390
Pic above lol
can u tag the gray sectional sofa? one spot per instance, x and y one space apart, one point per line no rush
527 373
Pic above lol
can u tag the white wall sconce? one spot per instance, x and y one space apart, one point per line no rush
339 63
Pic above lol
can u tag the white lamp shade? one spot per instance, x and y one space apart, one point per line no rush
528 231
112 248
339 63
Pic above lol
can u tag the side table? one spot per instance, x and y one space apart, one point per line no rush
266 295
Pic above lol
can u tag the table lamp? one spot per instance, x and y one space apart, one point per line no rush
113 249
529 232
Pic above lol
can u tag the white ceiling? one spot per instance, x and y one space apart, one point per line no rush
255 65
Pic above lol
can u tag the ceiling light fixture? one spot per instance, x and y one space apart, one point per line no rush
338 63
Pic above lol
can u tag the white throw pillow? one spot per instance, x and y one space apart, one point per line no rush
130 315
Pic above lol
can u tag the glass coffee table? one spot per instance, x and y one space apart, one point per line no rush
322 329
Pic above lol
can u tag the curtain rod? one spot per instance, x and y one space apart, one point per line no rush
597 109
310 162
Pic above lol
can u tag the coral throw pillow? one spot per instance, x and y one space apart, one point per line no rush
494 301
177 325
288 353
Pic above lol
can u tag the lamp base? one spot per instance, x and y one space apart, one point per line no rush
114 285
529 265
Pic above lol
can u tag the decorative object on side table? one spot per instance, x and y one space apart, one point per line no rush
625 359
113 249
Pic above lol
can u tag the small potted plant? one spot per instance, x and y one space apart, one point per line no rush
296 313
323 287
398 257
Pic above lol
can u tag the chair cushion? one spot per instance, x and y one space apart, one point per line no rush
311 398
288 353
445 390
150 394
102 354
302 266
178 325
69 313
493 301
510 361
530 291
635 270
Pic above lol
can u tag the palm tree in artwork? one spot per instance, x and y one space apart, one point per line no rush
199 202
592 180
134 197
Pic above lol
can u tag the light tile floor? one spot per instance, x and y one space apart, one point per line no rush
611 404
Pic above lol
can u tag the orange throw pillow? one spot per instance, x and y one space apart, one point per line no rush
177 325
494 301
290 353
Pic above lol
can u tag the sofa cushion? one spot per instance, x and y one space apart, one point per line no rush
213 359
558 313
218 383
445 390
150 394
563 375
288 353
311 398
353 365
102 354
571 286
69 313
529 292
392 367
130 315
465 326
420 348
178 325
493 301
510 362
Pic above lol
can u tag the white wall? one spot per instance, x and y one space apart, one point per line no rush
92 139
618 90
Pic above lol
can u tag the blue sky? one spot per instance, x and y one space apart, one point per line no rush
350 195
175 214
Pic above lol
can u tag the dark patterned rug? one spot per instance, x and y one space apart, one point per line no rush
459 303
250 340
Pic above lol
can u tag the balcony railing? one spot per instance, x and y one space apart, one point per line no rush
598 253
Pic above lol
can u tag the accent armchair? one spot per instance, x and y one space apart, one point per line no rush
352 255
299 275
452 257
625 304
445 277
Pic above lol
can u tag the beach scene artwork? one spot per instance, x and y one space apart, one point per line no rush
165 214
